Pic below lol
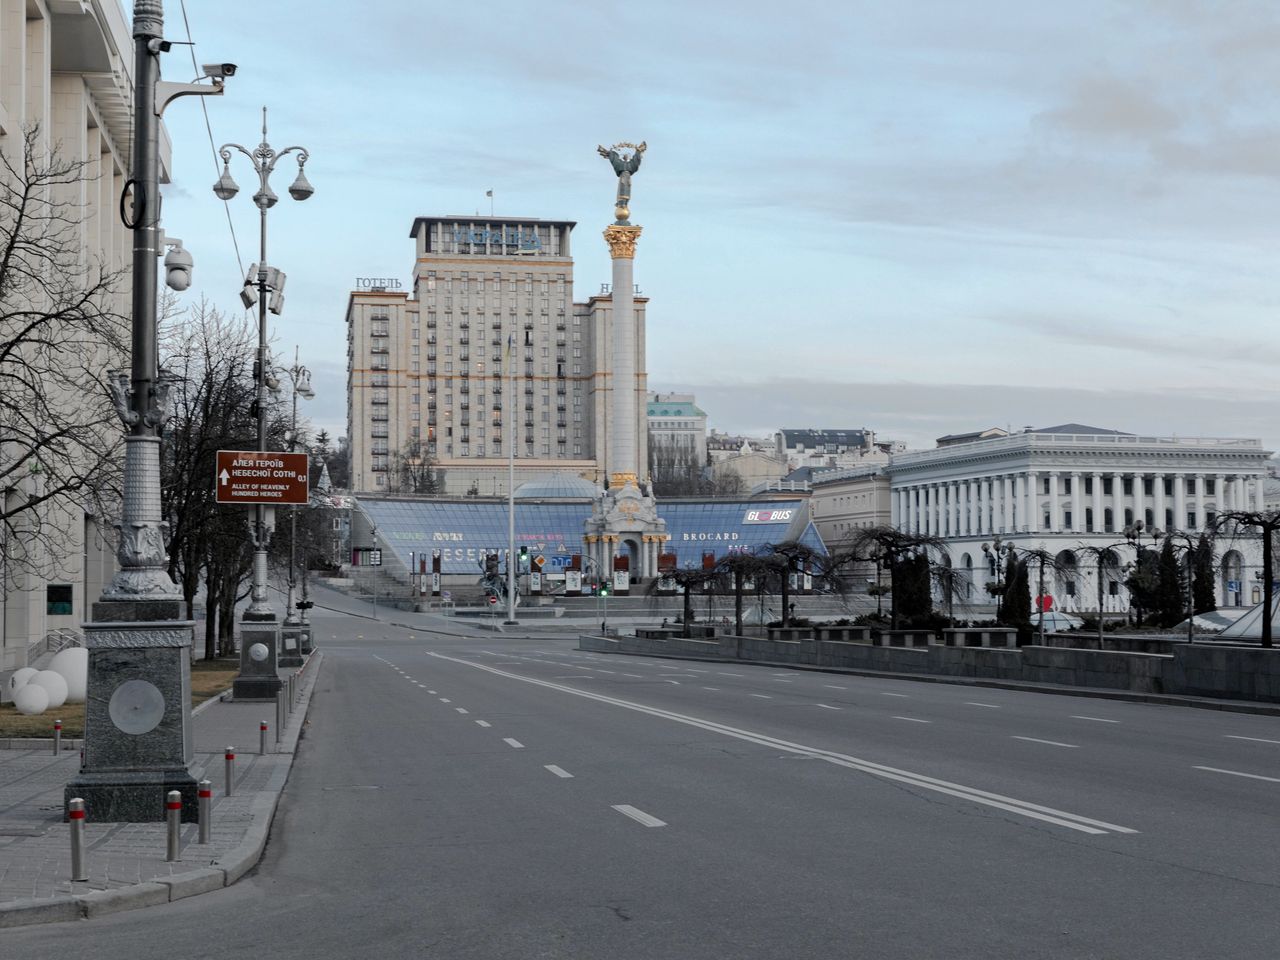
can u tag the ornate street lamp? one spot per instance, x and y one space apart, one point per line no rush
260 632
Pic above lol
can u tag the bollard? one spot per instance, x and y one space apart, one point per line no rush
231 772
279 715
173 814
205 793
75 816
57 737
262 737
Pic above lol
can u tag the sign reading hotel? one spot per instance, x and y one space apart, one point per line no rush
248 476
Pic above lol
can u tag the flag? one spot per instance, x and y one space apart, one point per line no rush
511 345
489 194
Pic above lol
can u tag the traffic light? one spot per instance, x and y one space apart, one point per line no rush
524 554
305 604
604 588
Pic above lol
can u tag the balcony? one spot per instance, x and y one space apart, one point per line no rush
464 340
379 332
528 391
379 402
378 467
560 325
496 358
378 417
528 425
379 433
464 357
497 421
379 348
431 323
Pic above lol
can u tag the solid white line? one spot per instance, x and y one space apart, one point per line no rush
761 696
883 694
1024 808
638 815
1232 736
484 723
992 706
574 676
1094 719
634 676
733 674
514 744
827 707
1237 773
462 710
559 772
832 686
913 719
1052 743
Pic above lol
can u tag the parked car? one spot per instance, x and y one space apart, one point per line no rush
1055 621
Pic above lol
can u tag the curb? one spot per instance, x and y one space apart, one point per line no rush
225 871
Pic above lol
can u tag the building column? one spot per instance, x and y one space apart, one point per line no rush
1019 501
1259 494
1157 491
1199 481
1179 502
1117 502
1139 503
1033 501
964 509
1098 525
916 515
1077 502
1006 496
1055 518
1223 487
1242 494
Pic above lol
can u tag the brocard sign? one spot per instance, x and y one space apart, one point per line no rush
252 477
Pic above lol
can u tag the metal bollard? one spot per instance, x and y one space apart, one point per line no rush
75 815
173 814
57 737
205 793
231 771
279 715
262 737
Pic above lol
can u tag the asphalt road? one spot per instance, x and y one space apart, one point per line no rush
497 797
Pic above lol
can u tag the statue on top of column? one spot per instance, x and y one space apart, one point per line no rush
624 165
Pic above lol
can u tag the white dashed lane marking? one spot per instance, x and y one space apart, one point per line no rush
483 723
513 743
639 816
559 772
913 719
1051 743
1094 719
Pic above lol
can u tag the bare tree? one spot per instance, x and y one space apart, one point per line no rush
413 470
61 327
1267 523
894 549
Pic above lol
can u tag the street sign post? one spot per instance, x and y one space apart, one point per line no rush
248 476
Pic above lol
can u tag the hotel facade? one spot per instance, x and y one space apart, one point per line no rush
487 352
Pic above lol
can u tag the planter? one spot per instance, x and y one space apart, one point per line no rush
980 637
905 638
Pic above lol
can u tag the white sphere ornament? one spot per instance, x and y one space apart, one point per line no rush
54 685
73 664
31 699
259 652
20 678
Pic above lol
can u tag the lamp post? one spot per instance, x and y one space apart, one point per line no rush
295 617
998 550
1134 533
137 724
260 619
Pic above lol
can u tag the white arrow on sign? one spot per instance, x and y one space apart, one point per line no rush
224 476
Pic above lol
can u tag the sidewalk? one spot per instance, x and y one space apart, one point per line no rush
126 861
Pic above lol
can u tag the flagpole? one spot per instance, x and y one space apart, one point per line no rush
511 479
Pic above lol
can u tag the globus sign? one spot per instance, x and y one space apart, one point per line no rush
770 516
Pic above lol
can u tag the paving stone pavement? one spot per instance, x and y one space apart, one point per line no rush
35 848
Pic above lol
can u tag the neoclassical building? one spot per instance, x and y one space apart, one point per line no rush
1071 486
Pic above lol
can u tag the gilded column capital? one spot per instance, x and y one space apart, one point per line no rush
622 241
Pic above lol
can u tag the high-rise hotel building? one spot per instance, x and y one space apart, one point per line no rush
488 351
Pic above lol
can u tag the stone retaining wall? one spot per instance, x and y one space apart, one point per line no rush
1233 673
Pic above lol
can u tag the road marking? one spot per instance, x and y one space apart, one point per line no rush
1237 773
832 686
733 674
913 719
462 709
825 706
639 816
903 695
1075 716
712 689
445 700
483 723
761 696
675 682
974 703
634 676
780 680
1024 808
607 671
575 676
514 744
558 771
432 692
1052 743
1232 736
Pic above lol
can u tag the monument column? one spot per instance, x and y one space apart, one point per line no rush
623 446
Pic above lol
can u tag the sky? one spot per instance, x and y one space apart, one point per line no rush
923 218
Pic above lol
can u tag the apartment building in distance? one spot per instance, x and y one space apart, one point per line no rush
488 352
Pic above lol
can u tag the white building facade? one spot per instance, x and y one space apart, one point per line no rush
1063 488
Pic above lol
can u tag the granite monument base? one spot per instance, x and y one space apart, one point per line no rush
133 796
259 658
291 645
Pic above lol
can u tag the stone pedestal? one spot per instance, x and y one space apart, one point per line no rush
259 658
305 640
291 644
138 743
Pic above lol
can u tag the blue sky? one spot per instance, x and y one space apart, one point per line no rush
922 217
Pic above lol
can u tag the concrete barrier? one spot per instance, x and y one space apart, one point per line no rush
1203 670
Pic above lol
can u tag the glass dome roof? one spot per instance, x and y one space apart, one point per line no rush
558 486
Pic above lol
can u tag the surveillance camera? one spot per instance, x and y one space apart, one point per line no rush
219 71
178 264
